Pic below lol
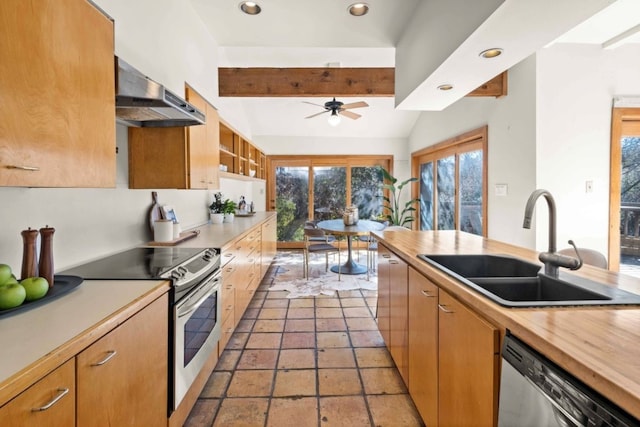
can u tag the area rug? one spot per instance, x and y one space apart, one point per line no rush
289 278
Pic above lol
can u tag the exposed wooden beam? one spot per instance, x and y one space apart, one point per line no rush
324 82
301 82
497 87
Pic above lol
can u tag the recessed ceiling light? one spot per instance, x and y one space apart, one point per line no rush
491 53
445 87
250 7
358 9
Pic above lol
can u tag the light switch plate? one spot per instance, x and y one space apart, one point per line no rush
501 189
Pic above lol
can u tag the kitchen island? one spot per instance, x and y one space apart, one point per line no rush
598 345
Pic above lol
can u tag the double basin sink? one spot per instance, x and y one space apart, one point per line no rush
513 282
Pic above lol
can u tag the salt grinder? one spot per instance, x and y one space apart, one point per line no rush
46 254
29 259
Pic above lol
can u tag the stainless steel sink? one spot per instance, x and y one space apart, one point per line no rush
513 282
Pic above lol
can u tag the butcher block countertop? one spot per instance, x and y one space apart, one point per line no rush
38 340
598 345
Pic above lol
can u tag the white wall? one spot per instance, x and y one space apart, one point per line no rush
575 88
511 161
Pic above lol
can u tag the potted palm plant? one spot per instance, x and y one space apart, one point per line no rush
395 212
216 209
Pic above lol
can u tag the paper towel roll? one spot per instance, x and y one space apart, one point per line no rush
163 230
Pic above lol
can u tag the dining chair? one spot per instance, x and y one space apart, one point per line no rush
589 256
316 241
372 249
328 237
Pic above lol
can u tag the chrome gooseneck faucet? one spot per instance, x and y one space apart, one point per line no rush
551 259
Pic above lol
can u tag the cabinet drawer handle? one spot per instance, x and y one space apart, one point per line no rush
444 308
24 168
427 294
61 393
110 355
393 261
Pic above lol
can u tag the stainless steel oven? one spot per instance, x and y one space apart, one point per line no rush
195 306
535 392
197 324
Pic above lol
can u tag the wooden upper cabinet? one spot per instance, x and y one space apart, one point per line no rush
57 102
177 157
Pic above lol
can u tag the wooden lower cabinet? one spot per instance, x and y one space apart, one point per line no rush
453 358
50 402
392 307
269 244
383 312
423 346
122 377
399 320
469 357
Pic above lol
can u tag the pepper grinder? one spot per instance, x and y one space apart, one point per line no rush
29 259
46 254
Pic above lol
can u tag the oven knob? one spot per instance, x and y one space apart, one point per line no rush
182 271
175 274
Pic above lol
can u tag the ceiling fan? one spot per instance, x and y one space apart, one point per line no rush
337 109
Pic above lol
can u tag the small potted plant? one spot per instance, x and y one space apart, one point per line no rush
216 209
229 210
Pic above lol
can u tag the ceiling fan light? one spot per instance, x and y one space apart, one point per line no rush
250 7
334 119
358 9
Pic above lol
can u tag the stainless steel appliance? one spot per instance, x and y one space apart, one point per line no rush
535 392
143 102
195 312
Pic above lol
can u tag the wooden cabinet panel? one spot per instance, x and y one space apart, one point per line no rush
57 84
383 312
468 366
269 245
423 346
398 319
60 385
176 157
240 156
122 379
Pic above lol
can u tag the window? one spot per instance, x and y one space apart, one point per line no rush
452 184
318 188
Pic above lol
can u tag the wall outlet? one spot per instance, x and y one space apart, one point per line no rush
588 187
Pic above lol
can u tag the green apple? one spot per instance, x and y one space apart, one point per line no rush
11 280
5 273
11 295
35 287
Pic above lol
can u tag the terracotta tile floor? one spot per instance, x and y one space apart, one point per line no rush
316 361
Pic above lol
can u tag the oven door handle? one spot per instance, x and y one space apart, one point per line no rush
214 287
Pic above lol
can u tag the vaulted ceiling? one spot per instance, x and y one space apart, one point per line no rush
318 34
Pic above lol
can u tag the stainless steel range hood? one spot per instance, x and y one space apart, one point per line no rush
142 102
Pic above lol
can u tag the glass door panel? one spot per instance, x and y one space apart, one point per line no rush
366 190
329 195
292 202
470 185
446 195
630 205
426 196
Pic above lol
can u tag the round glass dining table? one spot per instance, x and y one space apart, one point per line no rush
338 228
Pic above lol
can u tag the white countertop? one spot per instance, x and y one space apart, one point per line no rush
30 335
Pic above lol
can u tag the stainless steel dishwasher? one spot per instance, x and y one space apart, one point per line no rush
534 392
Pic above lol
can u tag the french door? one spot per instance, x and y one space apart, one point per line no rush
624 204
452 184
315 188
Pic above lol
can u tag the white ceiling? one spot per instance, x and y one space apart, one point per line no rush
306 33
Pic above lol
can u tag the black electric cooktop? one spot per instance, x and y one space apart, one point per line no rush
133 264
